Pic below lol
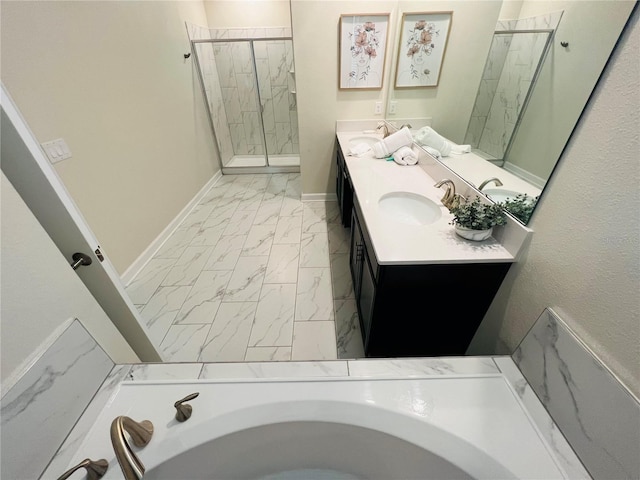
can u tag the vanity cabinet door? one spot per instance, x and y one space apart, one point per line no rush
355 255
344 190
366 299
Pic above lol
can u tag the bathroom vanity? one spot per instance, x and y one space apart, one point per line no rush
420 289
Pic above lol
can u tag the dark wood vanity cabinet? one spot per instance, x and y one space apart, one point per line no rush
418 310
344 189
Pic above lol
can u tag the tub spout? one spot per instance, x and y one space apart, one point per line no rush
141 433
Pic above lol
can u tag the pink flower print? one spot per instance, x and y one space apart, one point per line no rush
421 24
413 50
371 52
425 37
361 39
369 26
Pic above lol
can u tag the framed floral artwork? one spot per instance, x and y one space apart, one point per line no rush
423 42
363 41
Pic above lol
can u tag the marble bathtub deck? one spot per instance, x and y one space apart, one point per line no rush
252 274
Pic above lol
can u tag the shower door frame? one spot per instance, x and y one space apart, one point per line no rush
239 170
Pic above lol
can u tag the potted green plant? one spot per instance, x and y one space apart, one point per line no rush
475 220
521 206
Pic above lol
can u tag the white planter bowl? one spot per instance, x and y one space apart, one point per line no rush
475 235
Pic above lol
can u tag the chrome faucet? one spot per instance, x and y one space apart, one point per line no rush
492 179
450 198
408 125
385 129
141 433
95 469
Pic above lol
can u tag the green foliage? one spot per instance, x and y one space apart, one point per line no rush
521 207
477 215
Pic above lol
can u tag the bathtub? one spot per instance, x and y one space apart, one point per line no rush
444 428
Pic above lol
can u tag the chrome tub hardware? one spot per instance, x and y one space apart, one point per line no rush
184 410
95 469
385 129
141 433
489 180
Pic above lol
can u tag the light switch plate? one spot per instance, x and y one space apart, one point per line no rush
57 150
378 109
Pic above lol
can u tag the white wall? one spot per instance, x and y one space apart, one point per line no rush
40 291
247 13
451 102
110 78
567 77
320 103
584 256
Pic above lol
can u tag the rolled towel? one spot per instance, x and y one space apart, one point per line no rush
405 156
385 147
428 137
460 149
360 149
433 152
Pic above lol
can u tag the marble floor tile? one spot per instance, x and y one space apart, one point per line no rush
332 212
341 276
288 230
205 297
259 240
229 335
183 342
146 282
161 310
291 207
313 299
197 216
240 223
220 216
268 354
251 199
314 341
226 253
339 238
314 250
246 280
214 194
177 242
187 268
283 264
348 334
207 236
314 217
273 324
268 213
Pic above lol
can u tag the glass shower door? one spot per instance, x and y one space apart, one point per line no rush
229 80
277 89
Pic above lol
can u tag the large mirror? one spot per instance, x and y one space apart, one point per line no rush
515 78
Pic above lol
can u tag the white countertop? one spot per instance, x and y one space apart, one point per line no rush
398 243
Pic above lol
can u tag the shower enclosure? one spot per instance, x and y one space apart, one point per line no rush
509 77
249 86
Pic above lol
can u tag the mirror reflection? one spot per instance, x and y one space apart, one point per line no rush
515 79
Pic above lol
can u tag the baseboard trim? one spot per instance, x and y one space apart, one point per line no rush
319 197
140 262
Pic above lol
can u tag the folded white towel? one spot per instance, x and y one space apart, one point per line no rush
427 136
405 156
360 149
385 147
460 149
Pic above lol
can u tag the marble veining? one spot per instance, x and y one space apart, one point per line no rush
598 416
421 367
66 375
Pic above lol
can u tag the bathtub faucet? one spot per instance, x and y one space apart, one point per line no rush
141 433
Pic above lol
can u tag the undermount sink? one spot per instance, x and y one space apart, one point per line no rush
410 208
500 195
358 140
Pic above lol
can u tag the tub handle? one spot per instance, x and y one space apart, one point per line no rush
184 410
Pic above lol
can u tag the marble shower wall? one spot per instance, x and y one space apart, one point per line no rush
228 76
506 80
596 414
40 410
